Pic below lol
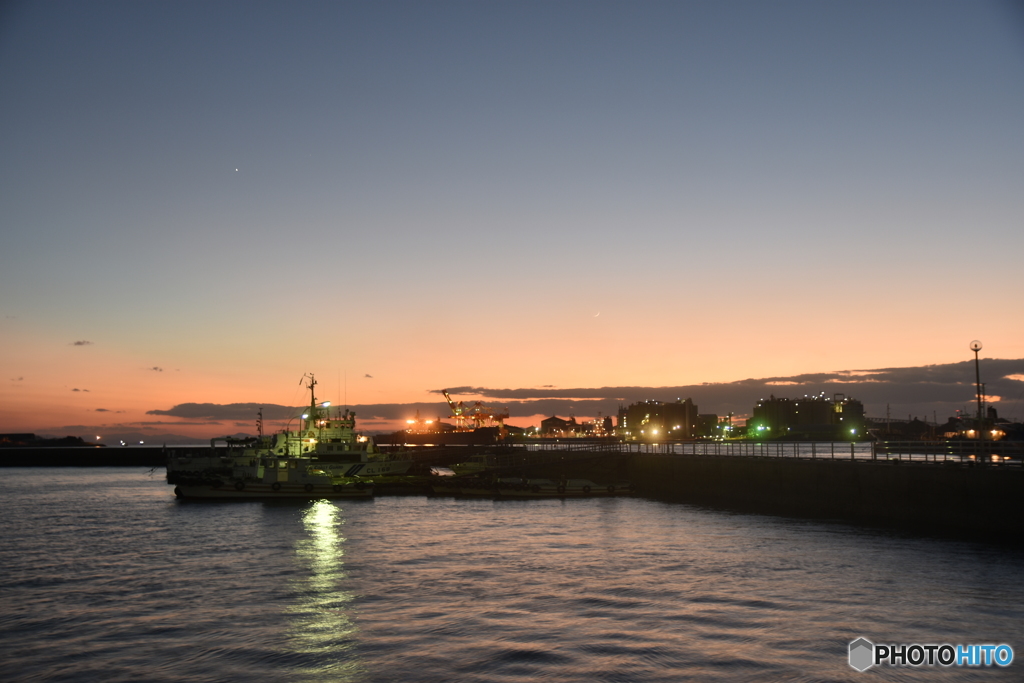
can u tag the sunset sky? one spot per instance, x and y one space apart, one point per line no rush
201 201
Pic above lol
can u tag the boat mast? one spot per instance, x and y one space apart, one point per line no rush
314 413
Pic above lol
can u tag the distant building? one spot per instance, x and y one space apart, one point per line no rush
966 427
31 440
598 427
709 425
557 427
650 420
913 429
807 417
16 439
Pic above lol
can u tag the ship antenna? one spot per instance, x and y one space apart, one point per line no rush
259 422
312 396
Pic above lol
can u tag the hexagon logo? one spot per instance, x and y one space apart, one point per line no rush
862 654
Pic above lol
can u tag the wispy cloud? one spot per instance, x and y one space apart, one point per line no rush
156 369
77 389
164 423
81 342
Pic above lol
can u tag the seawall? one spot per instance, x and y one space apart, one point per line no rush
118 456
973 501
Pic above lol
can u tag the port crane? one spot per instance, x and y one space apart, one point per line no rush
475 416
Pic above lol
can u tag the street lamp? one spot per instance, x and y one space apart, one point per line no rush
976 346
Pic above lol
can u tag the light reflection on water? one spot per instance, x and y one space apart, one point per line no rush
319 623
108 577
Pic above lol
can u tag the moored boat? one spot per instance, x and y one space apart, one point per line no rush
267 476
324 458
476 463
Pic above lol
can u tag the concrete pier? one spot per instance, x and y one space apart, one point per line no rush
117 456
984 501
946 498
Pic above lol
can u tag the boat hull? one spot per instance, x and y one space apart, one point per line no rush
273 491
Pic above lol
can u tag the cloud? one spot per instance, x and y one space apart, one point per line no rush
81 343
105 410
368 375
921 391
229 411
155 369
85 390
941 389
159 423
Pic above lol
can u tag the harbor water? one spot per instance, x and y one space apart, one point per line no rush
106 576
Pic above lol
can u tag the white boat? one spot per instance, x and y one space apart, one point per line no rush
476 464
324 458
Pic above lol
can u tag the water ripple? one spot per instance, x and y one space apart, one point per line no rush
107 577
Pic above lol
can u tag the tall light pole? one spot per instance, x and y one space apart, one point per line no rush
976 346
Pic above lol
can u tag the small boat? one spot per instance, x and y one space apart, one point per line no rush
324 458
476 464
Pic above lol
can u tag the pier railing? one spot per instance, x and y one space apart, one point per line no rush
809 450
956 451
1007 453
